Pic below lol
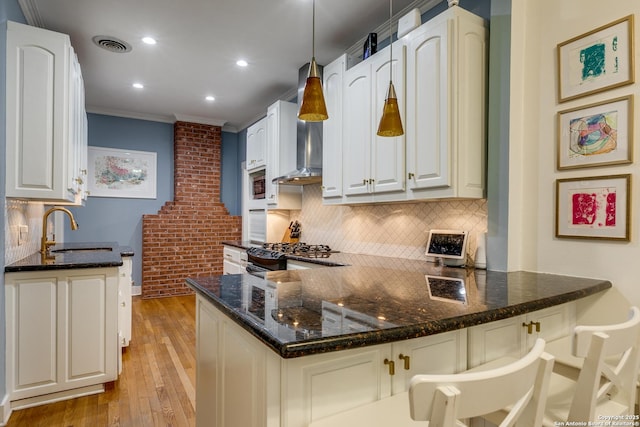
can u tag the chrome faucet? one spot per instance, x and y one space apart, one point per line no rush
46 244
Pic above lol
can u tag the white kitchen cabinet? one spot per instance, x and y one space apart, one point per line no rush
233 373
446 106
240 381
515 336
281 155
333 75
125 282
257 145
62 333
46 119
234 260
372 164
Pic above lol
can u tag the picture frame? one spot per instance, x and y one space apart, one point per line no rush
594 207
598 134
598 60
121 173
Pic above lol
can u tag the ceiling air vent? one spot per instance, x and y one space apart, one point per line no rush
112 44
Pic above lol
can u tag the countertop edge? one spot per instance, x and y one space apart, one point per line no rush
86 260
358 340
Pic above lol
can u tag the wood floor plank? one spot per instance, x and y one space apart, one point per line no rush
157 384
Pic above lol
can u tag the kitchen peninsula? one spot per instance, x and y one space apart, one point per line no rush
299 345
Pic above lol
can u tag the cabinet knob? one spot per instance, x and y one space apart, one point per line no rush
392 366
407 362
411 175
123 304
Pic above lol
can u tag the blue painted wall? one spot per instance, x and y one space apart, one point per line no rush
9 11
119 219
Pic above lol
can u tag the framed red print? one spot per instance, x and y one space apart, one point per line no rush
594 207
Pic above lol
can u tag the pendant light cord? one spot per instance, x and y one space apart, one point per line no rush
390 41
313 31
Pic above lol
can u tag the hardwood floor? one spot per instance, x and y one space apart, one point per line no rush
157 385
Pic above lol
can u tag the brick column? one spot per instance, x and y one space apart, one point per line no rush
184 238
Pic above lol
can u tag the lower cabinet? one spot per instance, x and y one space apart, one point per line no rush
234 260
62 333
515 336
241 382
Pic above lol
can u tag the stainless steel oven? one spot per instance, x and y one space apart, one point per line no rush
261 260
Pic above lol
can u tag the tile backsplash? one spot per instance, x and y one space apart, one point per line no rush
395 230
20 244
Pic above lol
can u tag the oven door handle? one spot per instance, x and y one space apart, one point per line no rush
253 269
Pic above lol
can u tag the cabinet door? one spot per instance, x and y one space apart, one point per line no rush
357 129
387 154
256 148
32 354
444 353
493 340
428 91
332 129
37 114
321 385
281 124
89 327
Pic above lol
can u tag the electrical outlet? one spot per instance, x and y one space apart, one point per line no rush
23 234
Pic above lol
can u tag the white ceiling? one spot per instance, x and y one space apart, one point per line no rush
199 42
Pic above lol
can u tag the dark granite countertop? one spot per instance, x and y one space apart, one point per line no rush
378 300
74 255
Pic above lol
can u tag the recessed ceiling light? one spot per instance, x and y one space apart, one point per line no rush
138 85
241 63
149 40
209 98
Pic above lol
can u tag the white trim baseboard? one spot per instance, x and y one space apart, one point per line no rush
5 410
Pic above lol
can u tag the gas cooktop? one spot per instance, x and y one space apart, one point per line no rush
300 249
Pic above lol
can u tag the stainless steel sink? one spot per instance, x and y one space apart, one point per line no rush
77 250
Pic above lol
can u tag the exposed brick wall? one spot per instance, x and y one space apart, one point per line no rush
184 238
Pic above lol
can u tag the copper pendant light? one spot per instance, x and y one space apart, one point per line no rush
390 122
313 108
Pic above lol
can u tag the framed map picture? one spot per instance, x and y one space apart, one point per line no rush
595 61
121 173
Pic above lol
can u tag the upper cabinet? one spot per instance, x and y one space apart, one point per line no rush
256 145
446 103
332 128
271 152
372 164
46 118
440 76
281 155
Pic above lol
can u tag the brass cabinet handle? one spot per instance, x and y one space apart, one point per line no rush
392 366
530 326
406 359
411 175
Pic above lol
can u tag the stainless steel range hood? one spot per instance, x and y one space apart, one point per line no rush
309 145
